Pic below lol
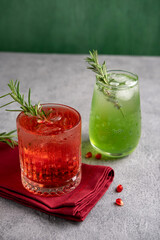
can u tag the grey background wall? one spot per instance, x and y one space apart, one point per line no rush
129 27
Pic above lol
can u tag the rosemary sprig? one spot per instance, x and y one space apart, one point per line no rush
25 106
100 70
101 75
8 138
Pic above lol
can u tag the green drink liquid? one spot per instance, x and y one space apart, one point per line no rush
115 118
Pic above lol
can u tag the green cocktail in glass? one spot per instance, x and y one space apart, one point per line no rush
115 118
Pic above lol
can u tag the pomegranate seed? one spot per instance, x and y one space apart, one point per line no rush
98 156
119 188
88 155
119 202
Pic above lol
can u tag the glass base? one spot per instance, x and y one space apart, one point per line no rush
40 189
112 155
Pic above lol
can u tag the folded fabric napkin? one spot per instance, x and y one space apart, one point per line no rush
74 206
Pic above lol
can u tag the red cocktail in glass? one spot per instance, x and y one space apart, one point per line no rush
50 150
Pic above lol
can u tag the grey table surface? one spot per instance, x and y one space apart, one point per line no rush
65 79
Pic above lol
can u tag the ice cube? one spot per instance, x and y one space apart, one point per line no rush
118 78
130 83
114 83
121 79
65 121
125 94
56 118
47 130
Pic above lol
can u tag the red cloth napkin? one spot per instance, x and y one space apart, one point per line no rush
73 206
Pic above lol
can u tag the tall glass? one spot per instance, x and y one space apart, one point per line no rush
50 150
115 117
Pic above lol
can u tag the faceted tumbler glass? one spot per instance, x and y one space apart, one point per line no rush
50 150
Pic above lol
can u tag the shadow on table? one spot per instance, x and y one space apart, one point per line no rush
87 147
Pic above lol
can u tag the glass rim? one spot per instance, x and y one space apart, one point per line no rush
60 132
117 87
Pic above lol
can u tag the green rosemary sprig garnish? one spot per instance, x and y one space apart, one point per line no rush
100 70
26 107
8 138
101 75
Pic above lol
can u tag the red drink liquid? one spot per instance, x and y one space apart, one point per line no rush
50 150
